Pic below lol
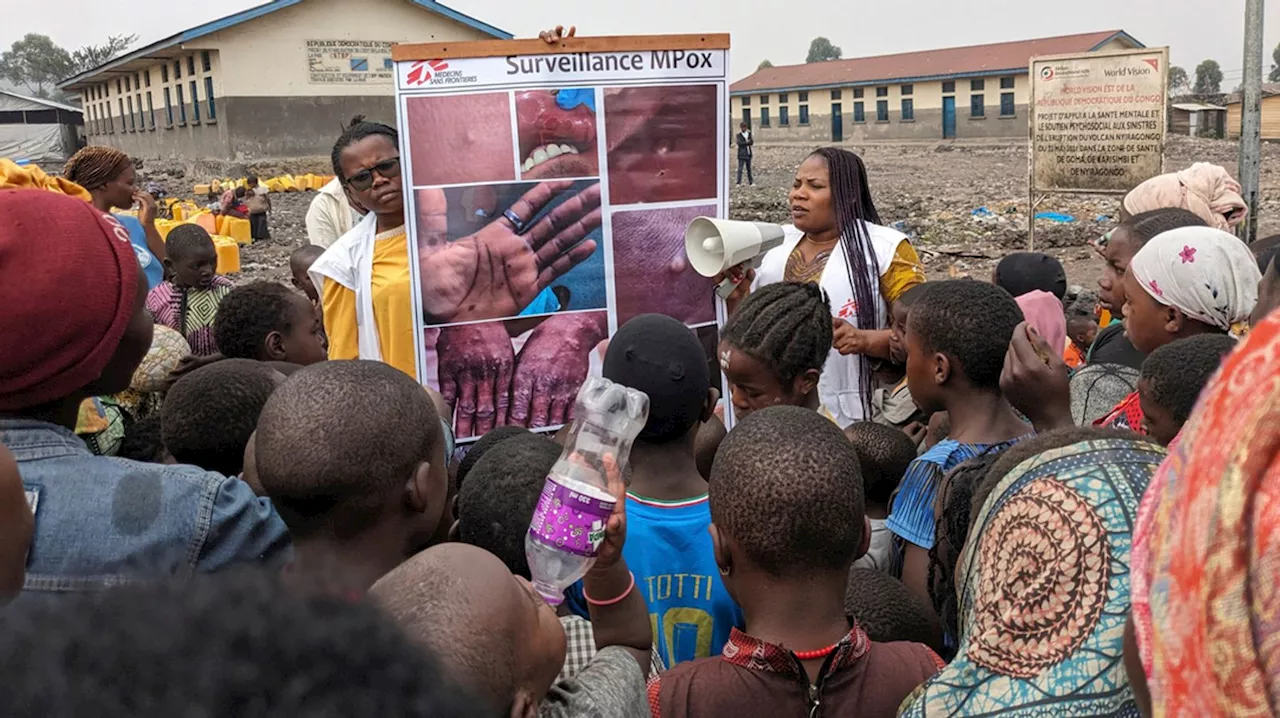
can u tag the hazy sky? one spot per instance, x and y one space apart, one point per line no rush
777 30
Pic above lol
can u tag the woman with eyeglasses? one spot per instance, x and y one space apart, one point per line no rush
363 279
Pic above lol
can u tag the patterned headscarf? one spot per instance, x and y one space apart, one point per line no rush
1213 547
1045 592
1205 273
96 165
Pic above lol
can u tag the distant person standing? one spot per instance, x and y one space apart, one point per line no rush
258 205
744 142
330 215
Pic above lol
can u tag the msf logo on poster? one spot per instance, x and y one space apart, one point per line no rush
436 72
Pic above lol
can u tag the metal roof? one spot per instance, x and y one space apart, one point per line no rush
1005 58
46 103
254 13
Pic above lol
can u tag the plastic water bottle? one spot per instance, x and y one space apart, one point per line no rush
569 523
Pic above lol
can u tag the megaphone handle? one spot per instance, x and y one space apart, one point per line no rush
726 287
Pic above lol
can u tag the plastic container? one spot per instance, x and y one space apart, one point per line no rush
569 521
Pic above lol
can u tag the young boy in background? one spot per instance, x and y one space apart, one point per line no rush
266 321
957 335
884 453
891 403
496 636
786 501
352 455
670 549
188 301
299 264
1082 330
888 611
209 414
1171 380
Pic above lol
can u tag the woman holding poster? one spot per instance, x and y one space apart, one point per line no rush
364 278
836 240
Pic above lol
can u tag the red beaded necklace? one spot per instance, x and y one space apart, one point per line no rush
815 655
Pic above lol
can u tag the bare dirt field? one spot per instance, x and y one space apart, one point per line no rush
929 191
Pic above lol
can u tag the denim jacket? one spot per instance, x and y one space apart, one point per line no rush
102 521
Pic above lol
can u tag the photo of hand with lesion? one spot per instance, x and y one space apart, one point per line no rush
522 372
507 250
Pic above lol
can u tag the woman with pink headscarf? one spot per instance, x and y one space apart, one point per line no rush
1205 189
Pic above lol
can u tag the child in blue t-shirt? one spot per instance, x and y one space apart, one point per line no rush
668 545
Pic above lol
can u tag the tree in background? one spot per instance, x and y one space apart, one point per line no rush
1208 79
763 64
1275 65
1178 81
36 63
821 50
91 56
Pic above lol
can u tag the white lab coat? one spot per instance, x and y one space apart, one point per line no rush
349 262
330 215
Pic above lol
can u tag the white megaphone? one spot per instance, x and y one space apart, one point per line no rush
715 245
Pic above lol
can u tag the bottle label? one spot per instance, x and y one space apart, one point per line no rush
568 520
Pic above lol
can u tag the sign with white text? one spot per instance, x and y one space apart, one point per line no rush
347 62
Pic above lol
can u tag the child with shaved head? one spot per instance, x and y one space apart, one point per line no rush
352 455
787 522
498 638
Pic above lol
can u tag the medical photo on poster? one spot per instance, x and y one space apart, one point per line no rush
547 200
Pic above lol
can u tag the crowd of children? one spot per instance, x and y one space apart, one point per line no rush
1039 516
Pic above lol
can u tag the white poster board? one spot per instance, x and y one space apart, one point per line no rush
548 188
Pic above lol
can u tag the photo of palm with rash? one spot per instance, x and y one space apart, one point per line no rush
481 256
489 383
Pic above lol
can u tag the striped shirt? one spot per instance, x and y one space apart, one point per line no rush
911 514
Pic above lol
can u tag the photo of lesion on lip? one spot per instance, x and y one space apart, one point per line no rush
557 133
459 139
509 249
661 142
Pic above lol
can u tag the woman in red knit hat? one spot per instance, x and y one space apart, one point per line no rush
74 325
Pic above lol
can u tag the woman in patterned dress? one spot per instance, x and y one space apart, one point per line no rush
1044 587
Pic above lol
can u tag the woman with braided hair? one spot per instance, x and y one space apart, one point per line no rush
109 176
837 242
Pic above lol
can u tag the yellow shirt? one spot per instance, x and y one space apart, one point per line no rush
393 307
905 270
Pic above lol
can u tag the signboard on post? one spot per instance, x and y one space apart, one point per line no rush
547 191
1098 122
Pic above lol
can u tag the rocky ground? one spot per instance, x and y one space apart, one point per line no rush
929 191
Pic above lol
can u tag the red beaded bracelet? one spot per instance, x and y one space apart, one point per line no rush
611 601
